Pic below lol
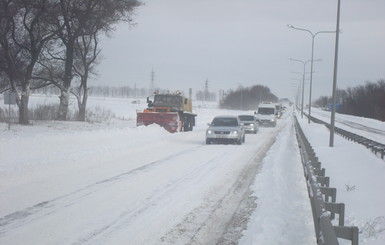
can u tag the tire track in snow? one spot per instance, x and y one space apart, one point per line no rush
209 211
354 125
127 218
362 127
221 221
45 208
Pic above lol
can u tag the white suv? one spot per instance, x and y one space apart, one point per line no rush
225 129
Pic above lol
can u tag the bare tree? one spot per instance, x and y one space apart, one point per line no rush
81 18
86 54
8 50
365 100
27 27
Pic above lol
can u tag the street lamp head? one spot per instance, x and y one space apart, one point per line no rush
292 59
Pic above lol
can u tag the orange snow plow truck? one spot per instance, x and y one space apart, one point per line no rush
171 111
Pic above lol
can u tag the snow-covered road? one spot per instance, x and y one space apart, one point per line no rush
114 183
369 128
65 184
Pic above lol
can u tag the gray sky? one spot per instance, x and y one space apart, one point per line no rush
234 43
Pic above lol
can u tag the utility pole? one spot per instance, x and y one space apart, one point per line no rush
206 89
152 85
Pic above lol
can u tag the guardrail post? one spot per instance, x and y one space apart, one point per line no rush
319 172
326 237
348 233
336 208
323 181
316 165
382 153
329 192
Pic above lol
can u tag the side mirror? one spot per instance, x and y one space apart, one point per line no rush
208 124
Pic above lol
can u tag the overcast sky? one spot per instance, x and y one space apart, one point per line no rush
234 43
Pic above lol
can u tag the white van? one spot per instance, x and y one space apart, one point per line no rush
267 115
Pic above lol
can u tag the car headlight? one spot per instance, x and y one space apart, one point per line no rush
252 124
234 132
209 132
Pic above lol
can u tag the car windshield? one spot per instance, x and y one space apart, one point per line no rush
266 111
225 122
246 118
166 100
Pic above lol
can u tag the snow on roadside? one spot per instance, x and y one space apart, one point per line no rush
283 214
358 176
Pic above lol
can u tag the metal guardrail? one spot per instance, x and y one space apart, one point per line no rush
319 193
374 146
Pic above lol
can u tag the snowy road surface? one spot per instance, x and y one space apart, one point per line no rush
68 185
369 128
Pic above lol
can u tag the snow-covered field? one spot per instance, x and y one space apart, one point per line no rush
115 183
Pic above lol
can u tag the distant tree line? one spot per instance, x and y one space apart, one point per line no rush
55 42
325 101
364 101
247 98
121 92
102 91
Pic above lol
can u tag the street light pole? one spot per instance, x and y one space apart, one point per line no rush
301 91
331 140
298 92
313 35
303 81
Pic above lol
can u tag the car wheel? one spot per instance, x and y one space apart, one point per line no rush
208 142
239 142
244 138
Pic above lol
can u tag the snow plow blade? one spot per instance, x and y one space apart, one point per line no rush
167 120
